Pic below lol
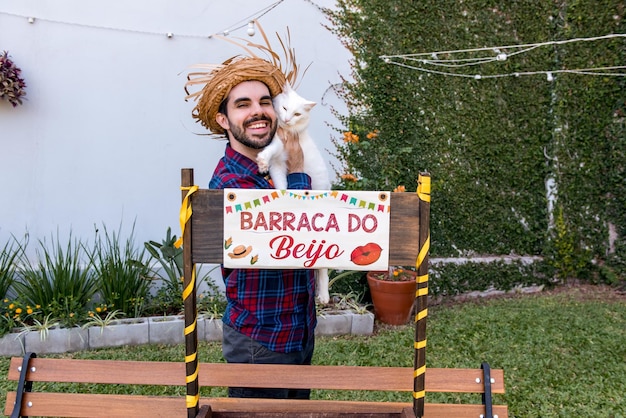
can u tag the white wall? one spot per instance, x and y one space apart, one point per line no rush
105 129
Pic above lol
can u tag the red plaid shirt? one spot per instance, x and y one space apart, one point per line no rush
274 307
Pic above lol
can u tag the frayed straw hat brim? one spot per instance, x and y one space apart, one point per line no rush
222 78
216 81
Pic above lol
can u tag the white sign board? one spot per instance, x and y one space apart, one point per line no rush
346 230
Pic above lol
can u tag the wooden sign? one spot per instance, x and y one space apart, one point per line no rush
306 229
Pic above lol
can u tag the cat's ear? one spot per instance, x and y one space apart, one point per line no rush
309 105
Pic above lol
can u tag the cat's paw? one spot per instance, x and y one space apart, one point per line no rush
263 163
323 297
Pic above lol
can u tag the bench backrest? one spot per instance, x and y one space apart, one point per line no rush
117 372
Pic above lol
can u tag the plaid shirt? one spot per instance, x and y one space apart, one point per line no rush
274 307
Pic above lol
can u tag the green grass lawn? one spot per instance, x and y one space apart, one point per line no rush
563 352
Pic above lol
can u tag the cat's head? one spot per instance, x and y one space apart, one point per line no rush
292 109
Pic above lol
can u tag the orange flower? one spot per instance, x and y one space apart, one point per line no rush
373 134
400 188
349 137
349 177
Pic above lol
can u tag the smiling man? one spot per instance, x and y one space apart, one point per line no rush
249 117
270 315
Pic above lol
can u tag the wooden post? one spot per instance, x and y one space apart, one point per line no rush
421 295
189 300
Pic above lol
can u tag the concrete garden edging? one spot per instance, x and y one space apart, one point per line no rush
168 330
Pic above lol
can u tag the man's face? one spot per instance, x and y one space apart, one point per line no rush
250 118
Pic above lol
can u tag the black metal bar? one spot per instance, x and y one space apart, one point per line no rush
487 398
23 385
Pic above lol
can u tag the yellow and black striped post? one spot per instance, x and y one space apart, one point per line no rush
189 296
421 296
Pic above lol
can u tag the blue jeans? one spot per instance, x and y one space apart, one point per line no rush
239 348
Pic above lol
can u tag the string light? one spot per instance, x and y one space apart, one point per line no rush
251 28
245 22
502 53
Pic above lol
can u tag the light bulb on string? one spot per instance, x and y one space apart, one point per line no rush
251 31
549 76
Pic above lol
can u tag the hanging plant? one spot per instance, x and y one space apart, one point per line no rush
11 84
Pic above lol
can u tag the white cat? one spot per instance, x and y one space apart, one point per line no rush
293 115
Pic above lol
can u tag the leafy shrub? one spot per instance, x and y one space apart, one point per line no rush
122 272
169 296
59 282
8 255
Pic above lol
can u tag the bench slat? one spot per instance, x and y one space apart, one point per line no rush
77 405
398 379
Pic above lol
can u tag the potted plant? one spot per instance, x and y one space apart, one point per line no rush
11 84
393 294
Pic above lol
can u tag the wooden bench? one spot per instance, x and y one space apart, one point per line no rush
202 217
397 379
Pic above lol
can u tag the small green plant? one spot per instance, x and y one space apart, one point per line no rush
211 304
102 320
396 274
351 301
42 326
122 272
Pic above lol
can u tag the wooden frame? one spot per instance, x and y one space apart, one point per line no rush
202 219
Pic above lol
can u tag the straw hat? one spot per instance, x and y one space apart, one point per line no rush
224 77
240 251
218 79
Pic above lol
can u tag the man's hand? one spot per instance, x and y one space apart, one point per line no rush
295 157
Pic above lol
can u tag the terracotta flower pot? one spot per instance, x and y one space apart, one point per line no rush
393 300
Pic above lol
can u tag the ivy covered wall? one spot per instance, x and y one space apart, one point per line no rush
528 164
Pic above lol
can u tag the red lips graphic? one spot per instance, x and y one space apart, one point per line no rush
366 254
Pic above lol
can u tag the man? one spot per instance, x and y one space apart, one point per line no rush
270 315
